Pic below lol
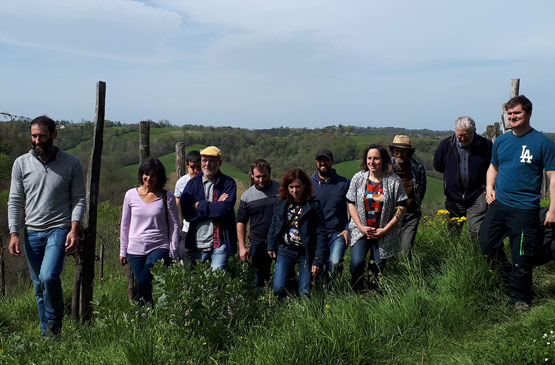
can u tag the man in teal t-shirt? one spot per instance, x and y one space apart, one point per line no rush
513 190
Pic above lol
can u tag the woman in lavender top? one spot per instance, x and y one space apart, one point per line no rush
149 226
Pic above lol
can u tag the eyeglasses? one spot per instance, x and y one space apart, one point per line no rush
464 135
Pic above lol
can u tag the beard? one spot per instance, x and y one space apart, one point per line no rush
44 148
325 172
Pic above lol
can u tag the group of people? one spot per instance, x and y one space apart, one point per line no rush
303 221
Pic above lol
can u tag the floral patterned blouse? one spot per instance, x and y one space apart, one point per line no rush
394 193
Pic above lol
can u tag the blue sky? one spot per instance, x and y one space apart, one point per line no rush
259 64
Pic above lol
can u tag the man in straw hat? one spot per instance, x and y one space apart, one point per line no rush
208 203
463 159
413 175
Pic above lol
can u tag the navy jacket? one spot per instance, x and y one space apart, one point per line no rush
332 194
311 229
446 161
222 212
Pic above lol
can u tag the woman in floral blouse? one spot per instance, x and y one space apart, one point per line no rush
376 201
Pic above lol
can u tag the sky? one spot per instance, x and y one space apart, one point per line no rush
291 63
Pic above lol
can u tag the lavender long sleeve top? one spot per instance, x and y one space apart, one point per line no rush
144 227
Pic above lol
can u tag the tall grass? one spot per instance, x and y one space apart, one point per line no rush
445 305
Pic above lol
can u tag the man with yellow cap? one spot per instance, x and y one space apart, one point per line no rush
208 203
413 175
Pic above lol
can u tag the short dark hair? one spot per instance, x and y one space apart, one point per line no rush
386 159
193 156
288 177
261 164
156 167
519 100
44 120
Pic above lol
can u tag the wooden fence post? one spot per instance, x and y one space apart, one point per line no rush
515 86
85 255
180 169
2 270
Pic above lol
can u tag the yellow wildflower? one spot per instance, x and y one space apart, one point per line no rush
204 343
159 339
442 212
328 306
462 219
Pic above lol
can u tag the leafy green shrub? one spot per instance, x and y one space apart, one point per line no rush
212 305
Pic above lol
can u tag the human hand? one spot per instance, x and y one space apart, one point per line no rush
71 241
244 254
123 260
345 235
549 218
272 254
13 246
315 270
223 197
490 195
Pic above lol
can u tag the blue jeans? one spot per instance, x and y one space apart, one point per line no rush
376 265
216 256
141 265
45 251
337 251
261 262
287 257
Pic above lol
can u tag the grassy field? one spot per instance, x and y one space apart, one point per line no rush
445 306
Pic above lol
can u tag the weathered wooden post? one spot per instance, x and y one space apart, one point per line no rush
85 255
2 270
180 169
515 86
492 131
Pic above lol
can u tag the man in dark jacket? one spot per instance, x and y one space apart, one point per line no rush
331 190
463 159
208 203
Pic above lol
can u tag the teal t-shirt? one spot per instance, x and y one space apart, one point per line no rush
520 161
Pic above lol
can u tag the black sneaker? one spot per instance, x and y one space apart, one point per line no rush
53 329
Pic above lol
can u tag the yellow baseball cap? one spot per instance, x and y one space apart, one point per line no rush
211 151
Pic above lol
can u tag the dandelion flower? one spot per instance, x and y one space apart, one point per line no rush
463 218
328 306
442 212
159 339
204 343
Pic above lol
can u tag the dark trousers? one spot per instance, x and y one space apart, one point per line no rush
359 251
261 262
521 225
141 265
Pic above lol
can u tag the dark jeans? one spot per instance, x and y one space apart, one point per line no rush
261 262
141 265
376 265
521 226
185 253
287 258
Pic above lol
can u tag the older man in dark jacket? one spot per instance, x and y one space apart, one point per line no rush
463 159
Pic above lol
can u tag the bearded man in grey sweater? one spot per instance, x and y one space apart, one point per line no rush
47 199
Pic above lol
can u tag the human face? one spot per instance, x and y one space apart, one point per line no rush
150 180
210 165
401 155
464 136
193 168
374 161
261 178
296 190
42 140
324 167
518 118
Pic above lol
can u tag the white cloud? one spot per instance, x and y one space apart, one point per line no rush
114 29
